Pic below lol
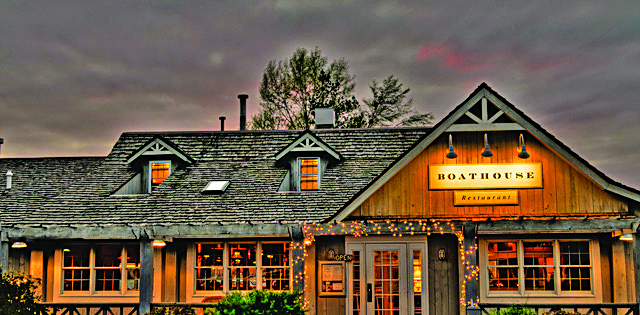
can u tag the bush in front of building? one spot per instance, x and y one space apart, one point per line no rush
18 295
515 310
173 310
259 302
562 313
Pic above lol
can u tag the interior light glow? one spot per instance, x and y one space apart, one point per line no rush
158 243
19 245
626 237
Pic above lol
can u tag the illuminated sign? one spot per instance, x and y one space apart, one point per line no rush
485 197
485 176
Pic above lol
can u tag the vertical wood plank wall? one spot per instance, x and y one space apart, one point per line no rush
443 275
566 191
328 305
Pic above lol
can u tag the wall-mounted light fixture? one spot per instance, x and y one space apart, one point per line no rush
158 243
19 245
523 152
452 154
442 254
486 152
626 237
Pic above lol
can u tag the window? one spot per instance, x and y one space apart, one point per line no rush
527 267
159 171
242 266
101 268
308 173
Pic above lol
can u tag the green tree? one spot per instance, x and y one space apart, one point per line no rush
17 295
291 89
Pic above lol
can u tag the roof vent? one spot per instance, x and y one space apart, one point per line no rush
325 118
216 187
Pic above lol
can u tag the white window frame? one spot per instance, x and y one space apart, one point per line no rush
92 292
197 295
299 172
521 295
150 172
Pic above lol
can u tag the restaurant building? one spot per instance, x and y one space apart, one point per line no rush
483 209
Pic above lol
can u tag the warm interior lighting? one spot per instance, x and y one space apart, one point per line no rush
19 245
452 154
486 152
158 243
236 255
626 237
523 152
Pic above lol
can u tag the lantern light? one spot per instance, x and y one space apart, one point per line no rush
486 152
19 245
452 154
158 243
626 237
523 152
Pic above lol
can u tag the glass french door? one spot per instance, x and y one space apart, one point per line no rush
387 278
386 285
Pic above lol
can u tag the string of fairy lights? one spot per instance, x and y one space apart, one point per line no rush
396 228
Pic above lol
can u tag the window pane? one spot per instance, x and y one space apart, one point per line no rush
242 279
417 282
159 172
76 256
133 267
275 254
243 254
503 266
538 254
308 174
76 279
356 283
209 269
575 266
108 255
108 279
76 268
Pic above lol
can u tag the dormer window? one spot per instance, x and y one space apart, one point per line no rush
160 170
308 173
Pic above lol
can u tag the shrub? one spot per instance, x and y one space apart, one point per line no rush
18 296
259 303
515 310
173 310
562 313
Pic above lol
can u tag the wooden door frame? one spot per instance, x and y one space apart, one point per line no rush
412 243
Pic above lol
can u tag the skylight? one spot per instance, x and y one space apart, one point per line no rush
216 187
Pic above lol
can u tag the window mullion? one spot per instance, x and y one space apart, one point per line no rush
556 261
123 269
520 267
92 271
259 265
225 268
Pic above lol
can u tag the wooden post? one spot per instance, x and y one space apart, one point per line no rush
636 261
297 252
146 275
4 251
469 232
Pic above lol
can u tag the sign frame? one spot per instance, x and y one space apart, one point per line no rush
323 288
493 172
459 201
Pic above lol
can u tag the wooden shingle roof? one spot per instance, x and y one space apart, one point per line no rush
78 191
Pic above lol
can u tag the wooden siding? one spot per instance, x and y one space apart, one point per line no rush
566 191
333 304
443 275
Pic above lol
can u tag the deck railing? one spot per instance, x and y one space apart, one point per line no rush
112 308
582 308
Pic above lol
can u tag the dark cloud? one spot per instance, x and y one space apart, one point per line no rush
75 74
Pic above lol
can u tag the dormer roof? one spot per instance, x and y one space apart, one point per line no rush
307 143
159 145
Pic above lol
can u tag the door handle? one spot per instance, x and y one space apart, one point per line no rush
369 292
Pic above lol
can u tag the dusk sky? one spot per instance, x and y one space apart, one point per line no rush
74 75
